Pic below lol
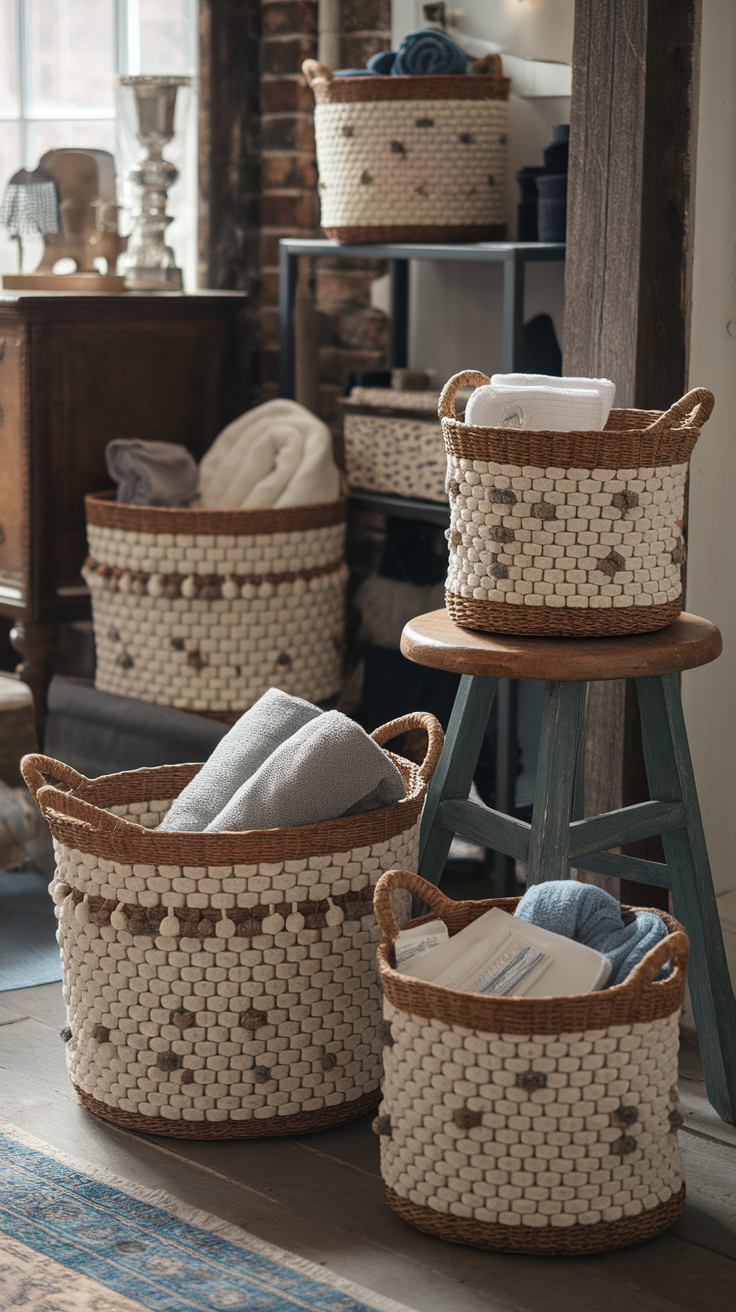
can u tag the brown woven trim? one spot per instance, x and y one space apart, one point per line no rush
133 844
617 446
552 1241
299 1123
559 622
380 232
621 1004
103 511
201 923
438 86
208 587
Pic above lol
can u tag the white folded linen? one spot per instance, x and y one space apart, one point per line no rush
278 454
604 386
552 409
275 717
329 768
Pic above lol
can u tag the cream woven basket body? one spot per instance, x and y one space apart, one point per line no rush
569 534
221 985
530 1125
206 609
393 443
387 148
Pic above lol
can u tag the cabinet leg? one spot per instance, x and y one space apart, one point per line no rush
35 643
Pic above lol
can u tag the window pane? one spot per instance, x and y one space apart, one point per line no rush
86 135
71 55
9 103
166 36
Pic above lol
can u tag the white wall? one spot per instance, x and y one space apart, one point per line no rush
455 316
710 693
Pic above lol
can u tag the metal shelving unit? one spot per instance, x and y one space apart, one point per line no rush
514 256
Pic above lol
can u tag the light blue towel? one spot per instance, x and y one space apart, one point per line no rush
591 916
429 51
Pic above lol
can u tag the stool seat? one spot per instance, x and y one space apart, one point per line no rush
434 640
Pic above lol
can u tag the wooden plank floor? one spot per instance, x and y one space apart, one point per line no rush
321 1196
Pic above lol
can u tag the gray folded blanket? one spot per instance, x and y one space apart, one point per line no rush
151 473
329 768
250 742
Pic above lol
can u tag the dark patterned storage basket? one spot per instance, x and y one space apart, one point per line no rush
223 985
393 443
543 1125
387 148
569 534
206 609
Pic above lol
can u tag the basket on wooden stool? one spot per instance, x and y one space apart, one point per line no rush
221 985
543 1125
574 534
411 158
206 609
393 443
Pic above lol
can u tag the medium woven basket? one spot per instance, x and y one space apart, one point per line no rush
206 609
574 534
393 443
543 1125
414 158
223 985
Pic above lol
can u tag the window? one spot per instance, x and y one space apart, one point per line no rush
58 59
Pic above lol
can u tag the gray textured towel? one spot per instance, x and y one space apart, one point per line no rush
268 724
151 473
329 768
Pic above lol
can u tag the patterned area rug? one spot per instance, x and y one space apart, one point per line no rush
77 1242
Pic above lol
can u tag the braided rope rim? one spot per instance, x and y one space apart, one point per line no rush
551 1241
428 232
559 621
421 86
268 1127
104 512
640 998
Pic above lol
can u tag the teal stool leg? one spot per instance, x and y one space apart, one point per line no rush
562 721
670 776
454 773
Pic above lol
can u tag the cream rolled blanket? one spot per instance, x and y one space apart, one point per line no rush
329 768
278 454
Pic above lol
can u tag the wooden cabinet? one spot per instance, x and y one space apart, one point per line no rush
75 371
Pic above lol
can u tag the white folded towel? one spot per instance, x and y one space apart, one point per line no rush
329 768
552 404
252 739
278 454
604 386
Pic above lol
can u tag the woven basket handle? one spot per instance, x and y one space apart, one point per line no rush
415 720
383 900
34 768
82 813
674 948
315 72
694 409
446 407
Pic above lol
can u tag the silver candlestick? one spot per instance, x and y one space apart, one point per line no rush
148 263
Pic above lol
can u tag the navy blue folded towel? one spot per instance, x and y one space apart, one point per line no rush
382 63
429 51
591 916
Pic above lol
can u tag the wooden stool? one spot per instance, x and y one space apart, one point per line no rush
555 840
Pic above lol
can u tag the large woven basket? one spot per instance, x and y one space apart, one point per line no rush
393 443
206 609
569 534
221 985
414 158
543 1125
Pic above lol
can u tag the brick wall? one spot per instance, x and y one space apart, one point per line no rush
352 335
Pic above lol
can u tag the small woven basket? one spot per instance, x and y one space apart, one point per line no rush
206 609
223 985
393 443
574 534
543 1125
414 158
